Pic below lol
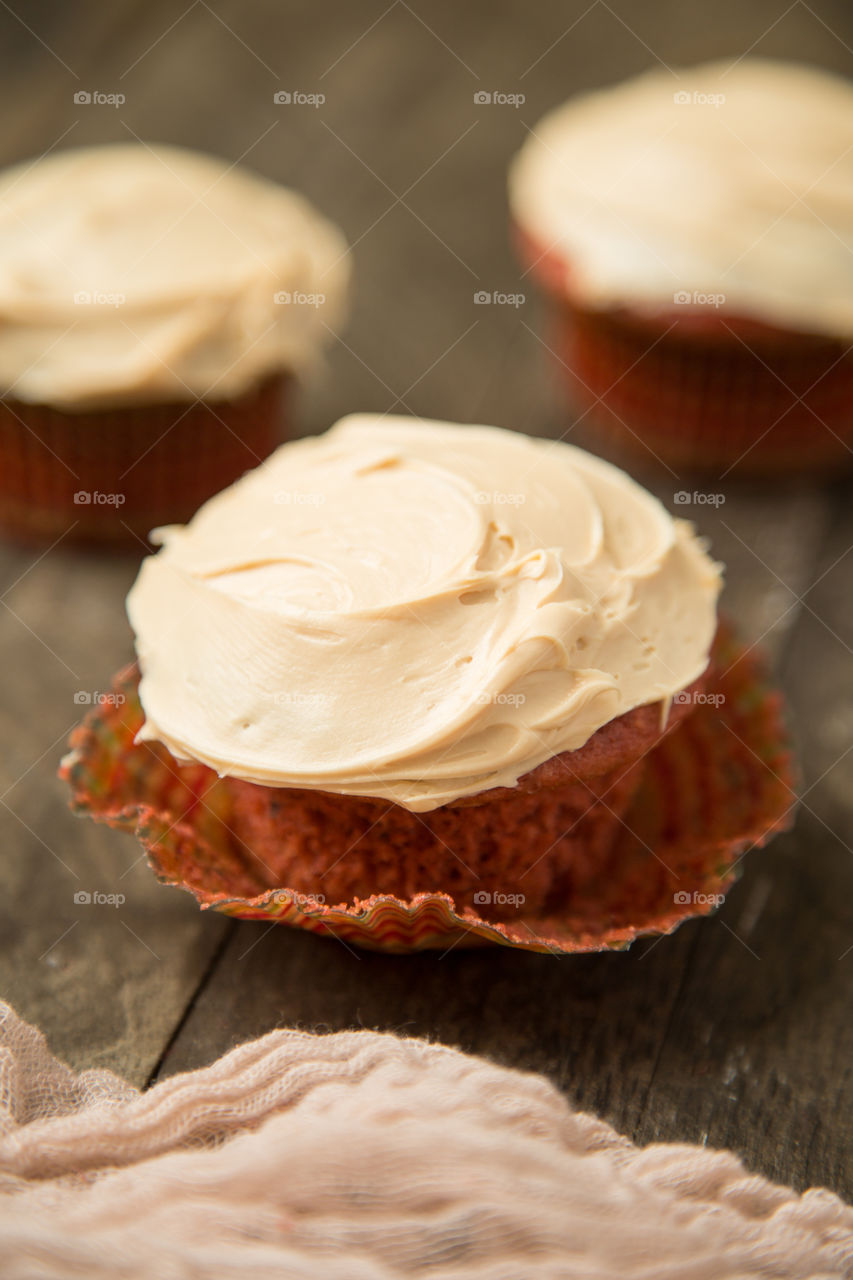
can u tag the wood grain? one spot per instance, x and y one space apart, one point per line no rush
107 983
736 1030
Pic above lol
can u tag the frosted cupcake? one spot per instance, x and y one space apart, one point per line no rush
156 304
695 235
409 659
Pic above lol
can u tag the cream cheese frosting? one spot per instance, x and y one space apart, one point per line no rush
723 184
417 611
135 274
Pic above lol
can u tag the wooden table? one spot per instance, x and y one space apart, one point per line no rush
736 1031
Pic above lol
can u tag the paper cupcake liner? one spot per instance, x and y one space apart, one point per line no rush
698 386
694 401
108 476
526 847
719 784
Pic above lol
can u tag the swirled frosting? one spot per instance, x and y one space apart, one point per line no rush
415 610
729 185
138 274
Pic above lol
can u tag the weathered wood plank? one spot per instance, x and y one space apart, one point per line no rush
597 1025
758 1054
107 983
689 1037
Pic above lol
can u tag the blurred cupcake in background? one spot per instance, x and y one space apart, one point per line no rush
695 235
156 304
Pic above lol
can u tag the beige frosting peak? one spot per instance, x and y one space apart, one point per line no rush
723 184
133 273
415 610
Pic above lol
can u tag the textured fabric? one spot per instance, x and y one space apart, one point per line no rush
360 1156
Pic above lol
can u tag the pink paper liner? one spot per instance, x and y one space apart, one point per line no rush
720 783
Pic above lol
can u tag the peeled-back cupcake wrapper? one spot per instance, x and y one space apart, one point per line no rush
699 385
717 785
115 474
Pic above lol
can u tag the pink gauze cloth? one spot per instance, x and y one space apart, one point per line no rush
360 1156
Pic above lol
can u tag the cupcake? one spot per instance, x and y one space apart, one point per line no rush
156 304
695 237
411 665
